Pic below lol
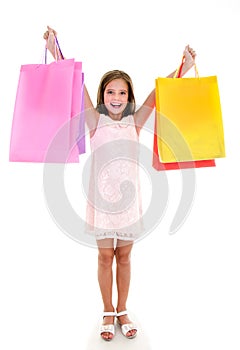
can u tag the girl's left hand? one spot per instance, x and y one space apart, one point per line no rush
189 55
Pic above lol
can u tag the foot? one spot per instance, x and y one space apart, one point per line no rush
107 328
124 320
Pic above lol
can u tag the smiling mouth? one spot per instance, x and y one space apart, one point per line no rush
116 105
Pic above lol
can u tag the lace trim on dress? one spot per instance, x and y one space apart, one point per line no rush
114 234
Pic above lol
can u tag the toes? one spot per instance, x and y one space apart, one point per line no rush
110 336
107 335
104 335
131 333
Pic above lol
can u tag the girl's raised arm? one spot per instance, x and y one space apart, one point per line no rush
91 115
143 113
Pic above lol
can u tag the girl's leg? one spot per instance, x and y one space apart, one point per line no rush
105 278
123 261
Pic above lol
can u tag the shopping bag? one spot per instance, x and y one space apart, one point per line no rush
160 166
77 111
44 106
77 124
189 119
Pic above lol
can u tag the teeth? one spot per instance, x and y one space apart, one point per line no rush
116 104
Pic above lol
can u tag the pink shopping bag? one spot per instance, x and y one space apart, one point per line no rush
46 102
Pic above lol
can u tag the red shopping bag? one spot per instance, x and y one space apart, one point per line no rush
47 100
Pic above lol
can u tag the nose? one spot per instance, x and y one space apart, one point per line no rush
116 97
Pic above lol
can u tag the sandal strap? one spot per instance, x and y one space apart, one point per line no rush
107 328
110 313
122 313
128 327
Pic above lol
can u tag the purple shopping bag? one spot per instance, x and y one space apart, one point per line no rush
77 111
81 138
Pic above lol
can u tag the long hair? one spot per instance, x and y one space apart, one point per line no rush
106 79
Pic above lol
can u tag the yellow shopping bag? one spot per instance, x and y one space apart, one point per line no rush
189 119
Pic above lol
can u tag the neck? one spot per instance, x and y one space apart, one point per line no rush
115 116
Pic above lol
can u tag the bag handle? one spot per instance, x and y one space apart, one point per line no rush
179 69
57 46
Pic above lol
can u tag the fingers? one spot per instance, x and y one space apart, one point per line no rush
49 31
52 30
191 51
45 35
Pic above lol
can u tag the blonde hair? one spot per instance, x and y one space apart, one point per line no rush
106 79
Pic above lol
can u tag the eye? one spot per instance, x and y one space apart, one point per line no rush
123 93
110 92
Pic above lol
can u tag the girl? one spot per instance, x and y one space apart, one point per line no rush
114 212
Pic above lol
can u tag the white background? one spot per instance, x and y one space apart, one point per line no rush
185 287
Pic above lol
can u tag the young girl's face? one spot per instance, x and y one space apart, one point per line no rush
116 98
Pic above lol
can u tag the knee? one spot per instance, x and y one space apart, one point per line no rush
122 257
105 257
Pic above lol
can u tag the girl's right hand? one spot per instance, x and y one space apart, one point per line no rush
49 31
50 36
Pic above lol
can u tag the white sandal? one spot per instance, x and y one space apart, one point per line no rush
125 328
110 328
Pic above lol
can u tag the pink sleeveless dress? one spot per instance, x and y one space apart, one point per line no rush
114 208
